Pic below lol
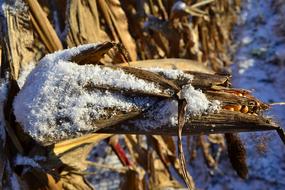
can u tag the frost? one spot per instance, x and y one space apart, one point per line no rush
61 99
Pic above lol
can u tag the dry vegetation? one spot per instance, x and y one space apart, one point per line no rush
193 37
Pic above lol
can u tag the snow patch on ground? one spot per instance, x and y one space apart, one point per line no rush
259 66
105 179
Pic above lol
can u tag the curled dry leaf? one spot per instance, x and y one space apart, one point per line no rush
181 122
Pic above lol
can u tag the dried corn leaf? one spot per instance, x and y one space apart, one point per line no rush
166 149
137 152
82 15
222 122
202 3
181 122
93 54
171 63
116 21
64 146
166 155
170 32
159 175
74 181
19 38
44 27
217 139
153 77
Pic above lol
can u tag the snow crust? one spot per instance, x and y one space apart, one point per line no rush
61 99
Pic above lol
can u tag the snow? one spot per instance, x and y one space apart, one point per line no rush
105 179
266 78
61 99
163 113
197 102
74 107
258 66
